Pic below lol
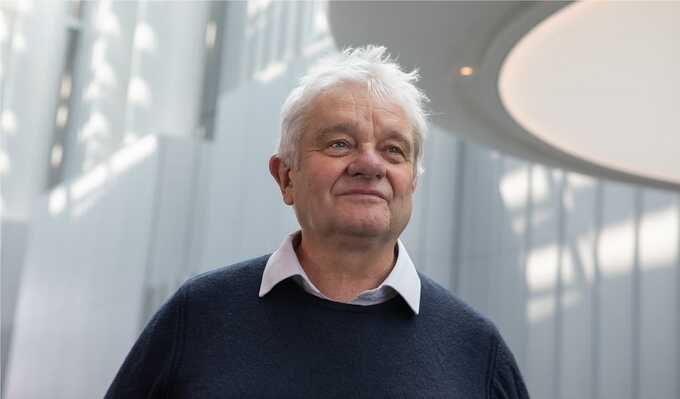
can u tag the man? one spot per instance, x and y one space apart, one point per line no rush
339 310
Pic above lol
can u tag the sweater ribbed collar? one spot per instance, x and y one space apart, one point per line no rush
403 279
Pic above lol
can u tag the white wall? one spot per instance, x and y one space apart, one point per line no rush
581 275
84 271
13 246
78 303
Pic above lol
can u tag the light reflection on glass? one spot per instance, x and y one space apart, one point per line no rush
210 34
65 88
62 116
57 155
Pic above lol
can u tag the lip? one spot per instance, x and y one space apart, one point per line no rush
373 193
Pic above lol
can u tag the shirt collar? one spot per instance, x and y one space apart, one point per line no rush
283 263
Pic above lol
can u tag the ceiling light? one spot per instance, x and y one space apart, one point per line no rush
466 71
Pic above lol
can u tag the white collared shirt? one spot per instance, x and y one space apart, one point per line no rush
403 279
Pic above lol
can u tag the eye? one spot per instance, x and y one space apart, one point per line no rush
393 149
339 145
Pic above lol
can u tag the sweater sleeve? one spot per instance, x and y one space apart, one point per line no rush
148 369
507 382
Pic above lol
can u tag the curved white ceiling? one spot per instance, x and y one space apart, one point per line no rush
600 81
584 93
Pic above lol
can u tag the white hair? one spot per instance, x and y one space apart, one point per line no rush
370 65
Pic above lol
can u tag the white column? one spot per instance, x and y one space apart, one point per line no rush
31 83
166 79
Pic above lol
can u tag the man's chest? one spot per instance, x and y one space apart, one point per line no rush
315 363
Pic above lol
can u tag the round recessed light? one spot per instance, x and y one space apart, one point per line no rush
466 71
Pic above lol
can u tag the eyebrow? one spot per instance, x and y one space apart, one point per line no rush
344 127
398 136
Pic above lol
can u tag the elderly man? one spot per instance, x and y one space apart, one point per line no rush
338 310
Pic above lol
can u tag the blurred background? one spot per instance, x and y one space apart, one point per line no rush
135 139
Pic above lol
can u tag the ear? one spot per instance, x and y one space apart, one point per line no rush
281 173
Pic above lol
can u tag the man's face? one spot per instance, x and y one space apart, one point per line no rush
355 172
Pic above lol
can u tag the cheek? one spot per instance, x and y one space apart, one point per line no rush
315 187
322 179
403 184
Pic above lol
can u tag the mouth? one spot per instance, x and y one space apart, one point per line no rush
369 194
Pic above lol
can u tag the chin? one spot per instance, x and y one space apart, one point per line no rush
364 228
366 233
368 223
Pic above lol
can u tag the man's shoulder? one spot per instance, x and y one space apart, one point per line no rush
451 310
232 278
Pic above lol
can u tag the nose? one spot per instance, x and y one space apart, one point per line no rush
367 164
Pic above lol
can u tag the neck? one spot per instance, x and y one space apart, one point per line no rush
342 269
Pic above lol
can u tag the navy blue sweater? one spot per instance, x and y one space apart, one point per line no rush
215 338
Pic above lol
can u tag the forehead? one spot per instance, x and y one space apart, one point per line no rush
354 103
